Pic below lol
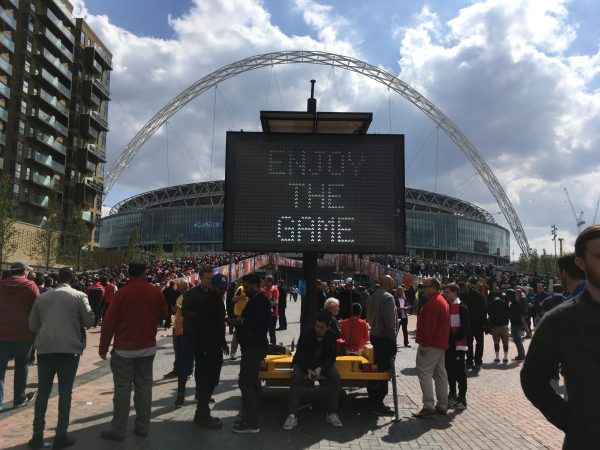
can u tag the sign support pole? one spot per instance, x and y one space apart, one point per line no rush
309 301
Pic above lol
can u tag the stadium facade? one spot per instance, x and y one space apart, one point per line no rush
438 226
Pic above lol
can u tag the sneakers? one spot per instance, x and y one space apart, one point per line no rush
171 374
425 413
179 400
461 404
209 422
334 420
383 410
62 442
452 402
497 360
245 428
505 360
291 422
28 397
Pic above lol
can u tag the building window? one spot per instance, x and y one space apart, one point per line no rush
17 170
27 66
25 87
24 106
29 44
16 189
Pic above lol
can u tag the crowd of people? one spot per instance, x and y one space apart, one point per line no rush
51 313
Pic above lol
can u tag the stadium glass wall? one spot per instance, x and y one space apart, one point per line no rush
429 235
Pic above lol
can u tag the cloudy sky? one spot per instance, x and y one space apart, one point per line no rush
521 79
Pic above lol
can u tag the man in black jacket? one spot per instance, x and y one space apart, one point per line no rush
208 321
282 305
478 319
252 337
171 294
347 297
568 336
499 316
315 359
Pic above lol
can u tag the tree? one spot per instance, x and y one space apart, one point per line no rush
133 249
159 251
77 237
46 244
8 245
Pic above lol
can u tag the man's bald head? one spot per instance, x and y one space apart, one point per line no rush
386 282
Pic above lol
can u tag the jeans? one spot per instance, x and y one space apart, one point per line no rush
188 356
333 386
64 366
178 349
282 319
208 370
249 382
404 325
128 372
478 359
516 331
455 368
95 305
21 351
385 353
272 324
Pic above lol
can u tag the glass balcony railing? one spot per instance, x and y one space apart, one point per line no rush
46 181
97 66
36 199
50 141
90 166
54 82
96 185
103 89
46 160
15 3
53 101
4 90
94 150
103 55
8 18
95 99
3 114
57 64
103 121
50 120
1 162
2 138
66 13
56 42
6 66
6 42
65 31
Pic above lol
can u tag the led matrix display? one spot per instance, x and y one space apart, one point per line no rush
327 193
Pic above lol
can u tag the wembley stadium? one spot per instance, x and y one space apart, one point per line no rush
438 226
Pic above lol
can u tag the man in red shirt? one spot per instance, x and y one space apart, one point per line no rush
272 293
132 319
110 292
433 329
95 293
17 295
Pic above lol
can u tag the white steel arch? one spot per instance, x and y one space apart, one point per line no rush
342 62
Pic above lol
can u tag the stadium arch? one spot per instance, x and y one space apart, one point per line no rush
337 61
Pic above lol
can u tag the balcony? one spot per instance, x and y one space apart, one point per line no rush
8 18
43 31
64 11
45 181
1 162
95 99
48 141
56 63
52 80
90 167
101 88
6 66
66 32
93 150
50 121
52 101
2 138
15 3
4 90
103 56
100 120
45 160
41 201
6 42
3 114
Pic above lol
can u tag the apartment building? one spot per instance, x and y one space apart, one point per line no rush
54 94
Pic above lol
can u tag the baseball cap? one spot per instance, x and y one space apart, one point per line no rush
349 281
18 266
220 281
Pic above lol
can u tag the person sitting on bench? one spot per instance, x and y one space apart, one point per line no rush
315 359
355 332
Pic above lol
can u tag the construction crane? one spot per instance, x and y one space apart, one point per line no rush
578 219
596 213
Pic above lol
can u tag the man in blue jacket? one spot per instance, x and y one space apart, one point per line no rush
315 359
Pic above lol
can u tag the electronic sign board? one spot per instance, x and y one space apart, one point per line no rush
325 193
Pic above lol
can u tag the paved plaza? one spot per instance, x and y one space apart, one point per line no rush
498 416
